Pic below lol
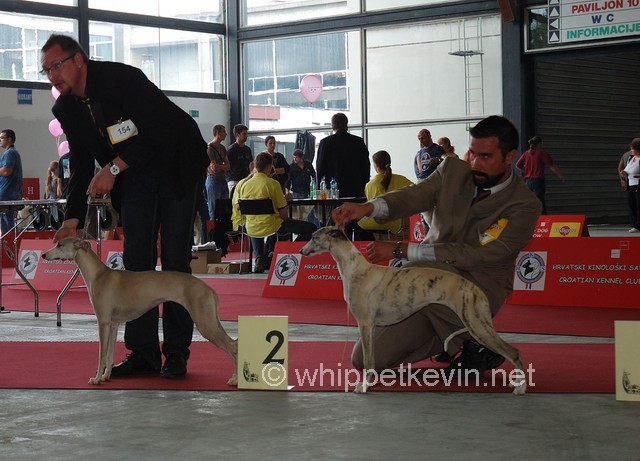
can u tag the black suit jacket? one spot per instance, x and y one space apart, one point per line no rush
345 157
168 147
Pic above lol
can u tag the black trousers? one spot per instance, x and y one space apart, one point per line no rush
148 211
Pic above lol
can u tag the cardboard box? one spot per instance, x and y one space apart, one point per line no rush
229 268
200 260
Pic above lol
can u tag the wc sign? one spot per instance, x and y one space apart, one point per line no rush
25 96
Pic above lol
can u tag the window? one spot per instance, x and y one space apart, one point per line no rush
261 12
277 76
21 37
172 59
371 5
434 71
193 10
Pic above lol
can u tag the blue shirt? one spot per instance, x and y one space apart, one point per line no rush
11 186
425 155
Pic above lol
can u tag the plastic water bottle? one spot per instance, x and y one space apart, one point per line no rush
334 188
312 189
322 195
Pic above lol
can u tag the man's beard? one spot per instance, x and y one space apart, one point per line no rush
485 181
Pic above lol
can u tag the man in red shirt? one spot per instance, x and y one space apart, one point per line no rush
532 164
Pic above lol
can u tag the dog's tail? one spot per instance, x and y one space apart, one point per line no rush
453 335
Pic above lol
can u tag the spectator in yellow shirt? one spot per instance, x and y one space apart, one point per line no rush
259 186
384 181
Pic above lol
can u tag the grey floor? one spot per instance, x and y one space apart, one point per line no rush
248 425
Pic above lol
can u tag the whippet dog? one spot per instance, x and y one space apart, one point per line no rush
382 295
119 296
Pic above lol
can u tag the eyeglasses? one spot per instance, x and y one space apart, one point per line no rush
56 66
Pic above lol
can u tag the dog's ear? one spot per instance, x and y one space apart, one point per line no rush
336 233
81 244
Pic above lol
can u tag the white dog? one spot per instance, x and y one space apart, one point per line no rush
119 296
379 295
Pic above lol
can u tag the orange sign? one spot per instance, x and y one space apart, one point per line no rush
561 226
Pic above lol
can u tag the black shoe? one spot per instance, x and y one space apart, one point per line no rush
135 364
443 357
174 366
475 356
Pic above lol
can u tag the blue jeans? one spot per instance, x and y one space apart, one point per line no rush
216 188
538 187
148 209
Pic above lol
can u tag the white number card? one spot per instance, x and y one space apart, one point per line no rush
263 352
122 131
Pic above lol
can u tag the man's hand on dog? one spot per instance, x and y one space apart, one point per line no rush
348 212
380 251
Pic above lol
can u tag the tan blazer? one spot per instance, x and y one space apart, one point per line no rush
458 227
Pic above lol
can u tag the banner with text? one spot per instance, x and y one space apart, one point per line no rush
308 277
584 272
582 20
54 275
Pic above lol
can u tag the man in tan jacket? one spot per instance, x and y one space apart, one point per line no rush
483 215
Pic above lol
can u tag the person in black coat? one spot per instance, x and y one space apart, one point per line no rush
152 161
345 157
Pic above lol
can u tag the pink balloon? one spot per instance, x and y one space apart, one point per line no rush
63 148
311 87
54 128
54 92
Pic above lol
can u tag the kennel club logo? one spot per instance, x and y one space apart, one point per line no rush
29 263
114 261
530 271
286 270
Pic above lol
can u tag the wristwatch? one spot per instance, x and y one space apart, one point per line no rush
397 251
114 169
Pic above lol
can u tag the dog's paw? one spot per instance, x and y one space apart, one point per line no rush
520 390
233 381
95 381
361 388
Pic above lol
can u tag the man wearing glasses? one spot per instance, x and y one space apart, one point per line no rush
153 160
10 176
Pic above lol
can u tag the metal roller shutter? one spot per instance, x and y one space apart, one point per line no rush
587 112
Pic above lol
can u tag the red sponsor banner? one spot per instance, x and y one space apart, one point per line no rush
308 277
54 275
562 226
582 272
7 243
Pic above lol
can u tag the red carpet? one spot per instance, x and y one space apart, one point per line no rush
241 296
557 368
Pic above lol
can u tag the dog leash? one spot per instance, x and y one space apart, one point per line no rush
94 202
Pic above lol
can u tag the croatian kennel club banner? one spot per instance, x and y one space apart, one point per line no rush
54 275
308 277
585 272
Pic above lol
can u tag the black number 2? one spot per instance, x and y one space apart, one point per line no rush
279 342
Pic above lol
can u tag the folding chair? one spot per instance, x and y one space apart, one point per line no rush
256 207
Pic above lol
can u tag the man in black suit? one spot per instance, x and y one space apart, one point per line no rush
153 160
345 157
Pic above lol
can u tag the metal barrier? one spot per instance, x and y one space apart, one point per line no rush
36 213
